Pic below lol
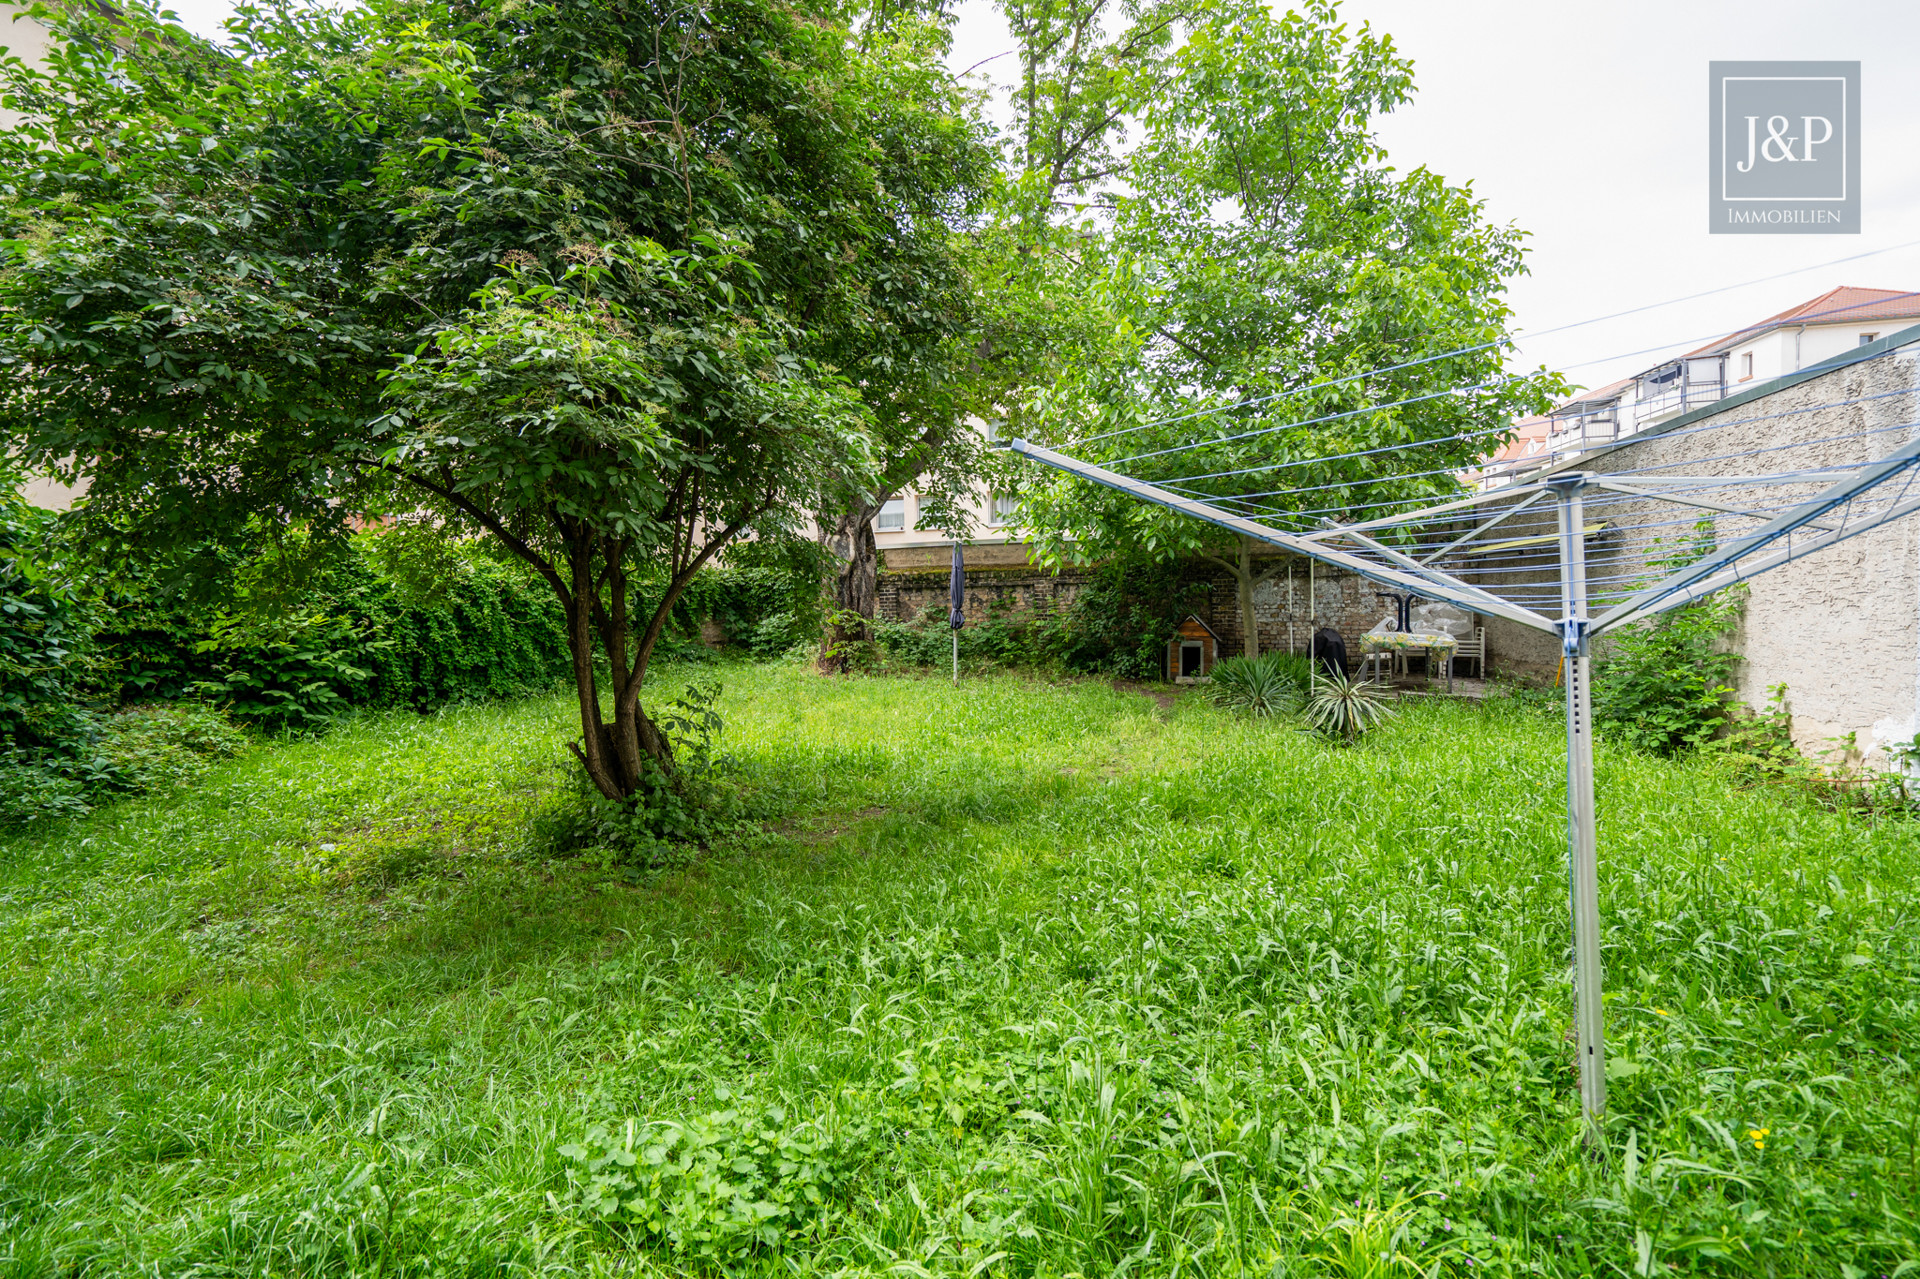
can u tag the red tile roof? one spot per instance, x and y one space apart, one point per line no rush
1529 433
1610 391
1844 305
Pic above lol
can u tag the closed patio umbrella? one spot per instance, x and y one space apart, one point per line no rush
957 617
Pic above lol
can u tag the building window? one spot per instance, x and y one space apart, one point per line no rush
1006 509
892 517
1746 365
1867 337
995 428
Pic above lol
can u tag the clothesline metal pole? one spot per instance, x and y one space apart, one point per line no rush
1583 869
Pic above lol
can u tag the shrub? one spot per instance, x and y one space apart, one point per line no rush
1663 687
651 828
1119 621
367 631
1345 709
146 748
766 597
1265 686
46 627
156 747
1117 624
37 787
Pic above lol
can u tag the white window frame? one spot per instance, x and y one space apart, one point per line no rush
1868 337
894 510
997 518
1746 365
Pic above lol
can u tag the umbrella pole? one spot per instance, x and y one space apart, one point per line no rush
956 659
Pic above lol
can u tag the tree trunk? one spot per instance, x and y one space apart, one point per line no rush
1249 623
616 755
1244 580
856 586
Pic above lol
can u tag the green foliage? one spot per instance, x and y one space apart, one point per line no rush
355 637
1343 709
1663 686
145 748
157 747
592 282
766 597
40 786
1758 745
654 826
1258 256
46 630
714 1188
1117 623
1056 973
1757 749
1120 620
1264 687
1008 640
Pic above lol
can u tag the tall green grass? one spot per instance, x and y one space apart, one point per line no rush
1023 979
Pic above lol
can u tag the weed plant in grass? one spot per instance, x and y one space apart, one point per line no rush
1027 980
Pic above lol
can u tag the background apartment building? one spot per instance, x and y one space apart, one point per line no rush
1815 331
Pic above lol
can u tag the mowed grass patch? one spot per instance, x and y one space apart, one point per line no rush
1019 978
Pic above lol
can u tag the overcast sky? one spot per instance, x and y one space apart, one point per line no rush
1585 125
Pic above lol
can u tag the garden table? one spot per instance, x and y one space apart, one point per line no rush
1437 644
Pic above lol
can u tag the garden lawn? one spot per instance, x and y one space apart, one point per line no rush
1022 979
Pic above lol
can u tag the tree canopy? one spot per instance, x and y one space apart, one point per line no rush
616 284
1281 296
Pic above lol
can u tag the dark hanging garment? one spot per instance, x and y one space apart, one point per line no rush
1330 651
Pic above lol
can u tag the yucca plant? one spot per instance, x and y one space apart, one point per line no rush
1345 709
1265 686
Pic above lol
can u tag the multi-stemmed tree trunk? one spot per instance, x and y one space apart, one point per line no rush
591 574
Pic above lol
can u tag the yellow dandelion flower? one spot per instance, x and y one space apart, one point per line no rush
1663 1012
1759 1137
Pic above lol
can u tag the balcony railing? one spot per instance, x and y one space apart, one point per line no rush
1680 399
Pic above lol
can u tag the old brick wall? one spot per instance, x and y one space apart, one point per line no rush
991 592
1840 628
1281 601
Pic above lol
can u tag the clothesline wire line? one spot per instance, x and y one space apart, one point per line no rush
1177 481
1341 416
1504 379
1391 448
1596 501
1509 341
1545 560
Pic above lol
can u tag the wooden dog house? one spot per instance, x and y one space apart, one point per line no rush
1191 651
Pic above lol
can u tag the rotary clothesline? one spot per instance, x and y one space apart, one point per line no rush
1659 539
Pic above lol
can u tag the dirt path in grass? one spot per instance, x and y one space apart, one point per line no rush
1163 700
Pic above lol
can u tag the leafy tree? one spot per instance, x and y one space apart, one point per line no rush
614 283
1285 295
1025 317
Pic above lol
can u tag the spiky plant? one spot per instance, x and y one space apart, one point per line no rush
1345 709
1263 687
